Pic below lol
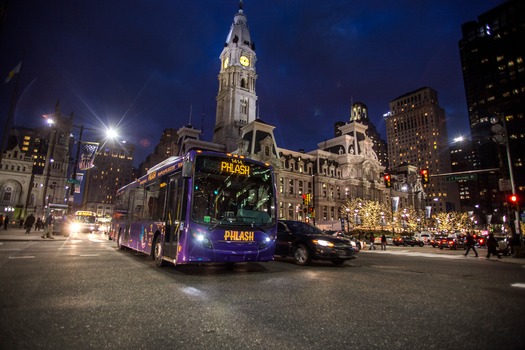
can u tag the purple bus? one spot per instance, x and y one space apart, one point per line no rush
204 207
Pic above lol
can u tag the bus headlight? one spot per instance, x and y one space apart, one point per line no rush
202 239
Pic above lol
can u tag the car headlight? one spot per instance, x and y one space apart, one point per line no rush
323 243
75 227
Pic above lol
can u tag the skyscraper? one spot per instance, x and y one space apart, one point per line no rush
492 54
417 136
113 169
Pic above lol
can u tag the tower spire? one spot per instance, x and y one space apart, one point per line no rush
241 5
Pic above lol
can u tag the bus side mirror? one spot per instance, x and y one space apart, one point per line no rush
187 169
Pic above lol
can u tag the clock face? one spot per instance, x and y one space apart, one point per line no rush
226 62
245 61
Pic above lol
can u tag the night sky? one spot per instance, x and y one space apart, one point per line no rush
149 65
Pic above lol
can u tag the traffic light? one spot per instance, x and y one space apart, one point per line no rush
304 199
424 176
387 178
513 201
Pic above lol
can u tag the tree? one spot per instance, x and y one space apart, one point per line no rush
365 214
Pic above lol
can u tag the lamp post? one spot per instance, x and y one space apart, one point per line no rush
74 173
501 137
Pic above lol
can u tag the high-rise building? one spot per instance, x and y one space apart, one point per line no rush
113 168
417 136
492 59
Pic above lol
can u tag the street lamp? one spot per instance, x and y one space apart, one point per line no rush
110 134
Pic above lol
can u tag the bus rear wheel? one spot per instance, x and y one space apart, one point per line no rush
157 252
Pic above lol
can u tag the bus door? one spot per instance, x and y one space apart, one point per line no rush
174 215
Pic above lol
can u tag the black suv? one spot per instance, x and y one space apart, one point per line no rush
305 243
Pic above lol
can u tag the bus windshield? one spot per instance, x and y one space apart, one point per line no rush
85 218
232 191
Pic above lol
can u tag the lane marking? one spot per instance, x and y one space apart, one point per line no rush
88 255
9 249
22 257
424 255
518 285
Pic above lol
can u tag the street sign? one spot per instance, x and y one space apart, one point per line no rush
465 177
73 181
504 185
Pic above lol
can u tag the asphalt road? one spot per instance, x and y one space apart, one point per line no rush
83 293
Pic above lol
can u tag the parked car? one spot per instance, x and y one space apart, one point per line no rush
407 240
436 240
389 239
304 243
480 240
452 242
424 237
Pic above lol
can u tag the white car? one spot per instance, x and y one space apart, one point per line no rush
424 237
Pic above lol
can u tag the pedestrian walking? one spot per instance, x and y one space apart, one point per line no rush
383 242
48 227
492 246
28 224
21 223
470 242
6 222
372 238
1 220
39 224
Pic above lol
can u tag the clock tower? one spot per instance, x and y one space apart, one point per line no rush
236 100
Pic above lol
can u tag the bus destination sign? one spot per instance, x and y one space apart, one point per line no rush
235 167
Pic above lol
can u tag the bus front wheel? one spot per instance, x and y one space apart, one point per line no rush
157 252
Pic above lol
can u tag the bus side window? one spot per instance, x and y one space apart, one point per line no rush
136 203
158 210
155 194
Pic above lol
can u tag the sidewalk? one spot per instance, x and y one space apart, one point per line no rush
15 233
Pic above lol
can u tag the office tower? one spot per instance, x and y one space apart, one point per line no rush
417 136
492 54
113 168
